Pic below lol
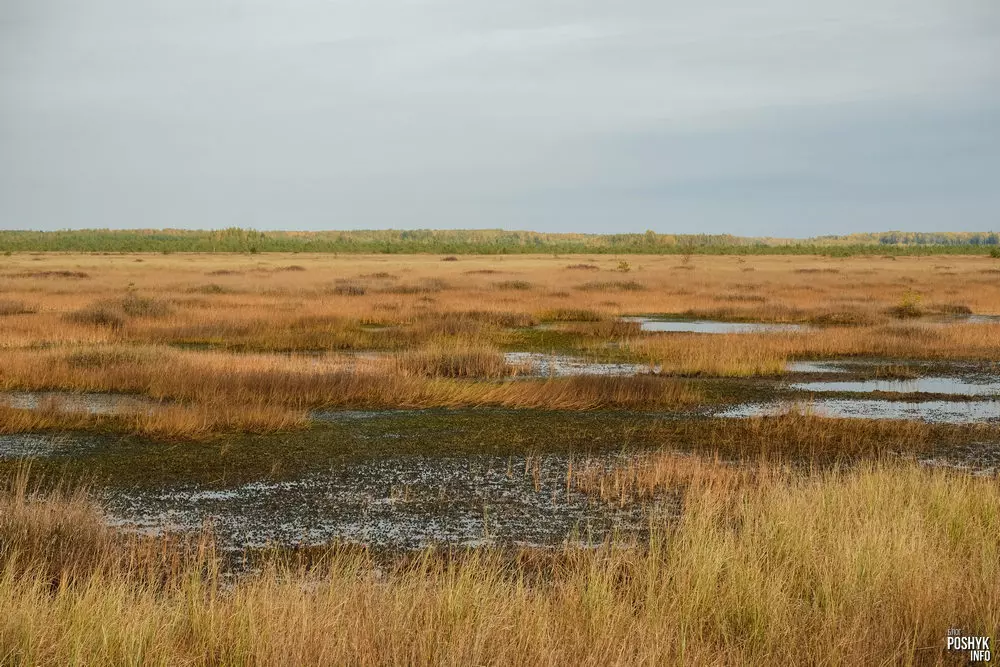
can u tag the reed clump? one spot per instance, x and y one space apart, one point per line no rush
15 307
454 361
571 315
522 285
115 313
776 570
800 435
613 286
209 392
196 422
99 314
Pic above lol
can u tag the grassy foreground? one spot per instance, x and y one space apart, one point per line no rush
868 566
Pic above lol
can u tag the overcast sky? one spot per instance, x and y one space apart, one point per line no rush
774 117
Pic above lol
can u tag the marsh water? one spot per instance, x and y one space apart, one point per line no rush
666 324
560 365
90 402
955 386
395 479
406 479
939 392
399 502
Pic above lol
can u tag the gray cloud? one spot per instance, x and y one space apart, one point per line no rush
782 117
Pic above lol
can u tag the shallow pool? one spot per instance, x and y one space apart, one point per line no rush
711 326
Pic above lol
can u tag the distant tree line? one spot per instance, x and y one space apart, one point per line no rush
487 242
917 238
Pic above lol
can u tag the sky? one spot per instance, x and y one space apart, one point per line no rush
772 118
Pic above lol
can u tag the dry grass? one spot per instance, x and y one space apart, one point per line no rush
298 382
455 361
11 307
210 391
802 436
439 326
649 476
734 355
870 566
765 564
726 452
257 304
162 422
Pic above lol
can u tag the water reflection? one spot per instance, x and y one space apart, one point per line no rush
711 326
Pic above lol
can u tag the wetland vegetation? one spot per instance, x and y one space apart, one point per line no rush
532 459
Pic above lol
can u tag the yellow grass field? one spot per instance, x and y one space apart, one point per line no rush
423 331
792 539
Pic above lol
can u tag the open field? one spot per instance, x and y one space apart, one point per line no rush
497 459
420 332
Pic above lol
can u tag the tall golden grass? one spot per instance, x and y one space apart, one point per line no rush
208 392
867 566
193 297
166 421
802 436
408 303
418 332
735 355
208 377
725 451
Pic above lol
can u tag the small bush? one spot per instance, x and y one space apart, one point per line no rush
115 312
99 314
908 307
449 258
846 318
513 285
134 305
583 267
10 307
571 315
211 288
613 286
53 274
424 287
624 267
349 289
458 362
